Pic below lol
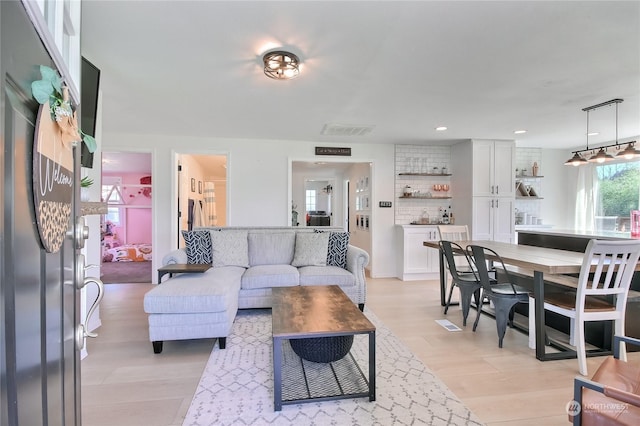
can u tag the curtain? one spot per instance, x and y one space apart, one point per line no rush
586 196
210 216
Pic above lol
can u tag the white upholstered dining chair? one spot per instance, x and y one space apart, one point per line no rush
603 286
456 233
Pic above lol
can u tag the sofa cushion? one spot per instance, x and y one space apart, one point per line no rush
216 290
337 251
229 248
263 276
197 246
311 249
271 248
326 275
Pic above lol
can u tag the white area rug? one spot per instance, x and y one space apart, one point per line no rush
236 387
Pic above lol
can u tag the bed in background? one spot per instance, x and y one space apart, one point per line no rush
128 253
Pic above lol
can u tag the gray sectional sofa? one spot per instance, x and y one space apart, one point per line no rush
246 264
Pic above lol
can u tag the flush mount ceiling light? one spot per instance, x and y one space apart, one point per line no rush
519 132
441 128
281 65
601 156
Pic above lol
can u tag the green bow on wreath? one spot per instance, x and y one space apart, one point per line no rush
51 90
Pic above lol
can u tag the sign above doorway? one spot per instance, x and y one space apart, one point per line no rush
328 150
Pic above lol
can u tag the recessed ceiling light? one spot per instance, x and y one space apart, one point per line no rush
519 132
593 133
441 128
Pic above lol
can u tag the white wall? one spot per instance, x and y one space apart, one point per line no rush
559 189
258 185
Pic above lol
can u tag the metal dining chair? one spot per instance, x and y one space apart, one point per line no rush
467 283
504 296
601 293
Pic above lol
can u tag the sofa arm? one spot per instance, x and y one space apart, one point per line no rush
175 256
357 259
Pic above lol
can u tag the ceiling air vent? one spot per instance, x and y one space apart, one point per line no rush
345 130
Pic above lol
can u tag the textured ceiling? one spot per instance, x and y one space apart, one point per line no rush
484 69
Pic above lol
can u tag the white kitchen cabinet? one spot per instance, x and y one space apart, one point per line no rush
417 262
493 172
484 178
493 219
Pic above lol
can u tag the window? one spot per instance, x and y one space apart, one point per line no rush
112 195
311 199
618 194
111 190
113 215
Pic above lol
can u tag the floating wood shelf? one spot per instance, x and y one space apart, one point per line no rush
88 208
425 198
423 174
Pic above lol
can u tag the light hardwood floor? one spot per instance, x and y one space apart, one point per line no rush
124 383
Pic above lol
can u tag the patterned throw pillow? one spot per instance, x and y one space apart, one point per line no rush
198 246
337 252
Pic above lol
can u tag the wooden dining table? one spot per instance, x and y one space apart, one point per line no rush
540 262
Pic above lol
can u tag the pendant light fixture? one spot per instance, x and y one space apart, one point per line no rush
577 159
602 155
630 152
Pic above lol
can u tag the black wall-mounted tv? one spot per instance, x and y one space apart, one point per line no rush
89 87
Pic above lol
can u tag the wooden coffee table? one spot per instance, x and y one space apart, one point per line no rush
318 311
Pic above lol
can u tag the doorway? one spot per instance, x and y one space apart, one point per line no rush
350 198
126 232
202 191
319 202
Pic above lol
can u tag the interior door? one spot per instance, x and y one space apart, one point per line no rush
40 380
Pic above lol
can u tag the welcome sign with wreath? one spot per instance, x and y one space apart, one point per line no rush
53 171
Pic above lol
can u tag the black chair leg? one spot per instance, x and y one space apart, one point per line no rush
446 307
479 305
466 293
502 310
511 315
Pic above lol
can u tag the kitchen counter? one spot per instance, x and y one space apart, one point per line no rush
605 235
577 240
